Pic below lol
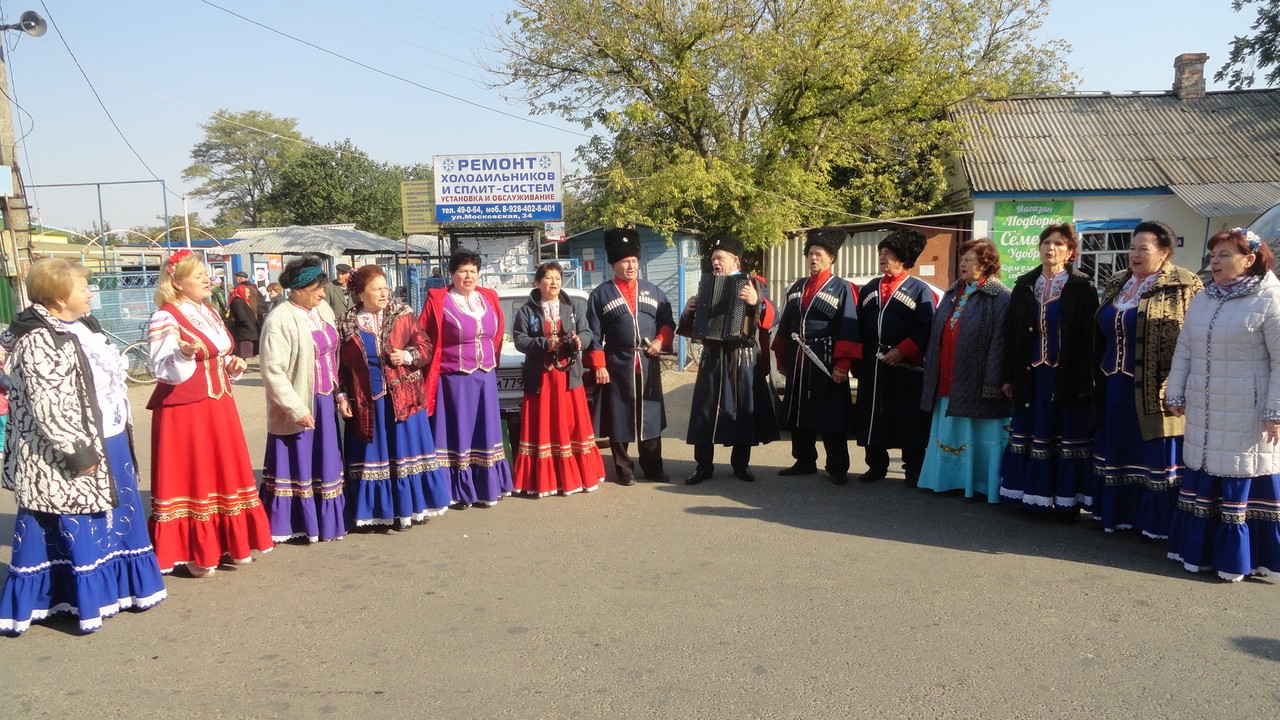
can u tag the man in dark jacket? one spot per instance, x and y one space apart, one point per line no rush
335 293
817 344
732 403
631 322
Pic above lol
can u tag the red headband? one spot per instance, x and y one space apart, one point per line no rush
178 257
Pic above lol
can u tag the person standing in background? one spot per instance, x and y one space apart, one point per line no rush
335 293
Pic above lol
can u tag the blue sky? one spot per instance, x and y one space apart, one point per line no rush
160 67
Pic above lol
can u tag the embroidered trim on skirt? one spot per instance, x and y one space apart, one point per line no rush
302 478
964 453
557 451
1135 482
468 429
204 499
1049 457
1227 524
397 478
91 565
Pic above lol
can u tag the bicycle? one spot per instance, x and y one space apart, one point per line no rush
138 357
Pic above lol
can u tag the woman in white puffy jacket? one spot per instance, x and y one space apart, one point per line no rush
1226 379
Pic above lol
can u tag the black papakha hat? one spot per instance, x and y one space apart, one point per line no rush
621 243
905 243
828 238
731 245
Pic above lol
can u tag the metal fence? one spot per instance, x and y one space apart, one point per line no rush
123 303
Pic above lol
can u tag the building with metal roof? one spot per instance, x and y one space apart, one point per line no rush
1200 161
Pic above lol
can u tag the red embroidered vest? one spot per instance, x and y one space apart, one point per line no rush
210 378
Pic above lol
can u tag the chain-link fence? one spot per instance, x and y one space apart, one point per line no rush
123 303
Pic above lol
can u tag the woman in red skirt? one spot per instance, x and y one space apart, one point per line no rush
557 445
204 498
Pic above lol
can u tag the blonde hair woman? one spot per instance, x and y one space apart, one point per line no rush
203 497
79 543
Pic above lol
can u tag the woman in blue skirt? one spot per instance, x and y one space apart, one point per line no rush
1048 371
1137 450
465 324
302 475
1226 381
393 474
80 542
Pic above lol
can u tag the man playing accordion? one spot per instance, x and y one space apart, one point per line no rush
731 396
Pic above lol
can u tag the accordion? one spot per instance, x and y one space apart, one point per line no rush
720 315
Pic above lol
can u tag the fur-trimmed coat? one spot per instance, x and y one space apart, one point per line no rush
1160 314
55 426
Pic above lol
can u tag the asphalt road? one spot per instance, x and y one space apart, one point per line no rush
784 598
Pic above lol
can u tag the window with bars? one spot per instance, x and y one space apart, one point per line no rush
1103 253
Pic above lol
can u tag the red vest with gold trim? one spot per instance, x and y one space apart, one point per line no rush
210 379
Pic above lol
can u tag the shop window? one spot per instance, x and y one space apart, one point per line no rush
1103 253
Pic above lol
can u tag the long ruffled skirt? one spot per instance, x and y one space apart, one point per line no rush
557 451
1049 458
90 565
396 478
1135 482
204 499
302 480
468 429
964 454
1227 524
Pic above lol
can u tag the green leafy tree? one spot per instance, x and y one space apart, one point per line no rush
238 162
755 116
1252 53
340 184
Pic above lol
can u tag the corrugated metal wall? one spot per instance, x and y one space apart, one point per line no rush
857 260
659 262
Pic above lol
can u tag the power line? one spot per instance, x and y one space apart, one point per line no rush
346 23
390 74
213 115
101 104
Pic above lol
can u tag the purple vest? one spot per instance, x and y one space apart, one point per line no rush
466 343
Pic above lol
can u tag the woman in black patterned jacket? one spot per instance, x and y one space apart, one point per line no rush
80 539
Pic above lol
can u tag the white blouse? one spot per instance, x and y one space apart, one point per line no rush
167 361
108 368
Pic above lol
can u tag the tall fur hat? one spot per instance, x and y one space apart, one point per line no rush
621 243
828 238
905 243
731 245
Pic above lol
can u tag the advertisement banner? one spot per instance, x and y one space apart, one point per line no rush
417 207
1016 232
499 187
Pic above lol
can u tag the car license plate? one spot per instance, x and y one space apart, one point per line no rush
514 382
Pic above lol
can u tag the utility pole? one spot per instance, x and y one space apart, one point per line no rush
15 246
